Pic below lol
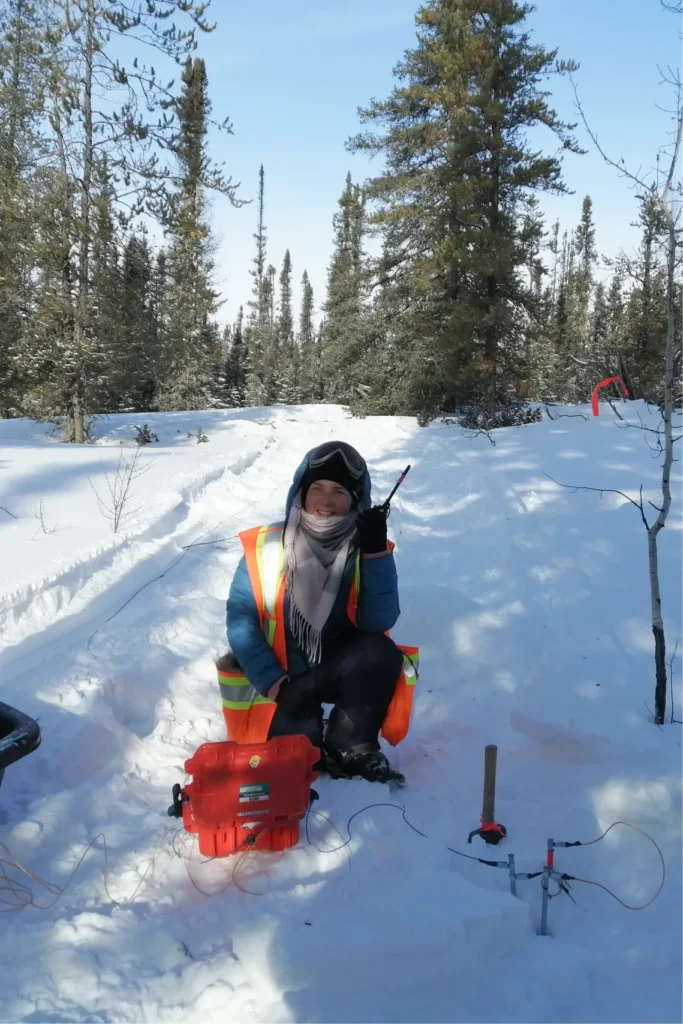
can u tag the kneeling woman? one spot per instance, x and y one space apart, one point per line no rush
329 659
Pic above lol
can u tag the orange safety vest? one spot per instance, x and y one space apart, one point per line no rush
247 713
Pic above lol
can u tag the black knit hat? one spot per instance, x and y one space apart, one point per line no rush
338 462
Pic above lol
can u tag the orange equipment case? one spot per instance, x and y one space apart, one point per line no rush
243 794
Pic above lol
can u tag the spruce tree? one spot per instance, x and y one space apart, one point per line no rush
554 250
344 309
191 357
561 319
582 281
318 374
289 353
272 368
235 373
23 73
159 312
308 355
49 361
459 164
599 329
101 109
615 304
108 363
646 314
533 356
138 348
616 326
260 236
258 385
285 326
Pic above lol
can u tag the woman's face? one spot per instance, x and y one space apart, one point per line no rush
326 498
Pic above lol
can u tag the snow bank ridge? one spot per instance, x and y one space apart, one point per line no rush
26 610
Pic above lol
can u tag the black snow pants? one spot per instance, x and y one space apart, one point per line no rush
358 674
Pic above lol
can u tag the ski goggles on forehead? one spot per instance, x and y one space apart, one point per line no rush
352 460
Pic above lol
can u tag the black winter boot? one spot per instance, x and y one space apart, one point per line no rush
365 762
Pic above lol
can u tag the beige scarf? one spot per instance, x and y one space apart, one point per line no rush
316 550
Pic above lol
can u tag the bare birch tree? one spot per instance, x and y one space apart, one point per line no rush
669 194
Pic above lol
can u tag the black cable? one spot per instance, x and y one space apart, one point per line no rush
564 879
368 807
479 860
149 583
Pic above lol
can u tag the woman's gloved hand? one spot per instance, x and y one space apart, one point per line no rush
372 530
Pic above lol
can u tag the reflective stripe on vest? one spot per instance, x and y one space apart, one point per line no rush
264 555
411 661
248 714
238 694
270 557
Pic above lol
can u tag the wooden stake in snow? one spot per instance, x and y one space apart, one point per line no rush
489 830
488 807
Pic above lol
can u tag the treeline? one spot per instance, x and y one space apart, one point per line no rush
92 319
581 318
474 303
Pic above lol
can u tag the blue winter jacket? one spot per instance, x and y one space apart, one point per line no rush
378 608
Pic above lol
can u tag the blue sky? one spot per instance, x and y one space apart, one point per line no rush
290 75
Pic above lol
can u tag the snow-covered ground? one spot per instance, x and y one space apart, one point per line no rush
530 603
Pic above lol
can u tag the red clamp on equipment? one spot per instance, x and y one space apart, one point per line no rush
490 830
247 793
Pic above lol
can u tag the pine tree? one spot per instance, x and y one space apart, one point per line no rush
345 311
459 165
